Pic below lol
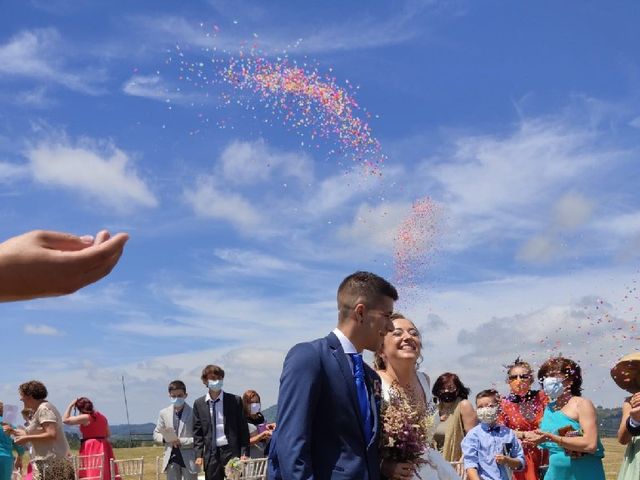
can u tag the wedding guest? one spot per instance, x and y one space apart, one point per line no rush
27 414
457 415
397 362
569 424
220 429
95 432
522 412
45 433
259 430
179 461
45 264
491 450
626 374
7 447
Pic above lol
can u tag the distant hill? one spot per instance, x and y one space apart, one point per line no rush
608 421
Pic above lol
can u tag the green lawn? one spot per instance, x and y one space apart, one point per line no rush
612 460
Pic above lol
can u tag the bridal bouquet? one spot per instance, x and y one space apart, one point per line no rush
407 425
233 469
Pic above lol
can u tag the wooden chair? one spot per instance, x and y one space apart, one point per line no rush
254 469
459 467
86 463
132 468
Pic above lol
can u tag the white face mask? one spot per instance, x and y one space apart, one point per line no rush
254 408
488 415
552 387
215 385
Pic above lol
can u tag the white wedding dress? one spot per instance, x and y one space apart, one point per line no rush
436 467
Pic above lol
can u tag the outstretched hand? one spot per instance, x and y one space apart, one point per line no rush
635 407
46 264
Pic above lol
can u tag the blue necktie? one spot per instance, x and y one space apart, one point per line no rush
363 395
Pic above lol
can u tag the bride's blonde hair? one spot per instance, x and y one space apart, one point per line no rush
378 360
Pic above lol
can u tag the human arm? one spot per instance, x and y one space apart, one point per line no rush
470 457
44 263
624 437
633 423
243 429
298 398
472 474
49 432
515 459
157 436
257 437
588 441
68 419
198 434
468 414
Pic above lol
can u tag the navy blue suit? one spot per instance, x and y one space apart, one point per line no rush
320 434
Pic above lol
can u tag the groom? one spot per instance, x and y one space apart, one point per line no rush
328 405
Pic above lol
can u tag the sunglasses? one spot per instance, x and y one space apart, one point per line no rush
524 376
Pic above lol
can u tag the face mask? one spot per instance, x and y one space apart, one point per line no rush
519 387
553 387
177 402
254 408
214 385
488 415
448 397
1 418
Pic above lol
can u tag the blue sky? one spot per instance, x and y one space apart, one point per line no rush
522 121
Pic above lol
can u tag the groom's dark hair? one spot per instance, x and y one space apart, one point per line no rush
365 287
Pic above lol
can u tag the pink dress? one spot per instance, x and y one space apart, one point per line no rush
95 442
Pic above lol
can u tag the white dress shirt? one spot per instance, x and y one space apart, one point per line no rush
347 346
217 408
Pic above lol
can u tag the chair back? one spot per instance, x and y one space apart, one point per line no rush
89 467
132 468
254 469
459 468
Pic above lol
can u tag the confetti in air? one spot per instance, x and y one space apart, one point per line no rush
311 102
415 244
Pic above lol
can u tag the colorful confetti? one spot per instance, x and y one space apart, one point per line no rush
415 246
310 102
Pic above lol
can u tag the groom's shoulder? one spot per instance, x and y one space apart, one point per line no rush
308 351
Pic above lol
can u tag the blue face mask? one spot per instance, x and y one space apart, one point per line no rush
177 402
1 418
214 385
552 387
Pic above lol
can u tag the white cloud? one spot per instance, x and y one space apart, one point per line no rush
253 263
210 201
40 54
635 122
362 32
539 249
154 87
147 86
247 163
105 174
572 211
41 329
375 227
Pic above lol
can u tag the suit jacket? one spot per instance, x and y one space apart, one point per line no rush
185 434
319 434
235 426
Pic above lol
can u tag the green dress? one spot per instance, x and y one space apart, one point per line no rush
630 468
561 466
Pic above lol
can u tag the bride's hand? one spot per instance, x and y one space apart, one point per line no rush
398 471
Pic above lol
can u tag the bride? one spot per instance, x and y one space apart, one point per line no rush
397 365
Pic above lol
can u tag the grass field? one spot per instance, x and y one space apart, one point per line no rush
612 460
